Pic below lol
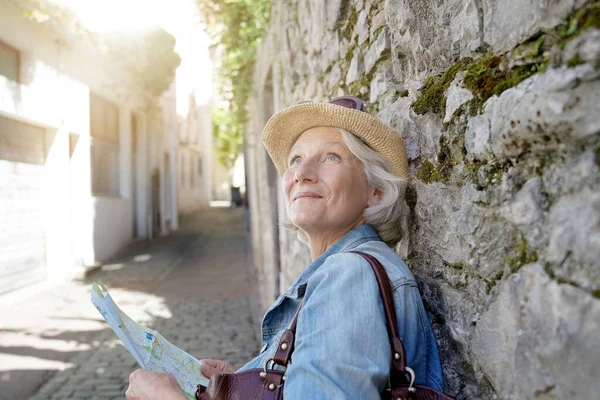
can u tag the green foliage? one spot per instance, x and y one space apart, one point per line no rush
237 26
228 135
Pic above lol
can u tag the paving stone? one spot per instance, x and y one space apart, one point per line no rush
197 306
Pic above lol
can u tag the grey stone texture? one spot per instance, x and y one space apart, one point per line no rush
508 23
534 322
456 96
504 196
541 113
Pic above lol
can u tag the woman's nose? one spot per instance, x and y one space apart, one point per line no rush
305 172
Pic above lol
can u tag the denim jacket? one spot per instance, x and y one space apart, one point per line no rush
341 349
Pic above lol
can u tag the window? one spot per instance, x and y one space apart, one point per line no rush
104 129
9 62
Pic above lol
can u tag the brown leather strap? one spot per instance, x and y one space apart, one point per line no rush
387 296
286 343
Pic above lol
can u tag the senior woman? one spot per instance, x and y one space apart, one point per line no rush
344 178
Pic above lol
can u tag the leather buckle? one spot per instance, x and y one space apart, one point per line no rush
412 379
266 366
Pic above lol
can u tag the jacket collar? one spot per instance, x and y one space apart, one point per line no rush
352 239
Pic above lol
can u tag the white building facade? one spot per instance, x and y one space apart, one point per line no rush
193 96
89 159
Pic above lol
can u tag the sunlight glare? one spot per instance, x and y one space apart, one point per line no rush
127 16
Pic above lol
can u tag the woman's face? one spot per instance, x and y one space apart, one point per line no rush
325 188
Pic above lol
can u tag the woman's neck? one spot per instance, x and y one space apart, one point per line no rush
320 241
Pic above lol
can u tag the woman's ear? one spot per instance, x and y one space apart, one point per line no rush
374 196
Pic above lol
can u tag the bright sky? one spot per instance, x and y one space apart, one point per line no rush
178 17
131 15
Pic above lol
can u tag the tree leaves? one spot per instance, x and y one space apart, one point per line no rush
237 26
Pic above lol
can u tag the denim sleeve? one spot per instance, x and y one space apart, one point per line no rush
341 348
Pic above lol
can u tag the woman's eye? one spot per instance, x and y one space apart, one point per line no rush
332 158
295 161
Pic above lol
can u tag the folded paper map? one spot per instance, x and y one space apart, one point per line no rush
149 348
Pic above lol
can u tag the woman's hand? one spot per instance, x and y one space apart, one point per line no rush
210 367
147 385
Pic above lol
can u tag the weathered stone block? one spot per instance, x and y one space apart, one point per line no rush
574 230
399 115
508 23
330 52
382 81
495 242
539 339
544 111
356 68
421 133
361 29
334 13
526 211
429 35
477 137
460 313
377 50
585 48
315 33
571 174
441 216
334 78
377 21
456 95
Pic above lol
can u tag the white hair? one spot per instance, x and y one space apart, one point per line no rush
389 214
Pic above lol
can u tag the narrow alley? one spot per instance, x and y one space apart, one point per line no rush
192 286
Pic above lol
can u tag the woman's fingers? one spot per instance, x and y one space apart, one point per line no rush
207 370
147 385
209 367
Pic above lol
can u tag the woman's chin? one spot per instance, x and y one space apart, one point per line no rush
305 222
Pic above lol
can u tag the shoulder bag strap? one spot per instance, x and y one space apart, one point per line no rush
387 296
286 343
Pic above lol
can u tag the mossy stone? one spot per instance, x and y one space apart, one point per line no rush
432 98
524 256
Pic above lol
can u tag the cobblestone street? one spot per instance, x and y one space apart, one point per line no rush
192 286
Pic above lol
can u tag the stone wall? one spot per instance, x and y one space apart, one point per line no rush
498 103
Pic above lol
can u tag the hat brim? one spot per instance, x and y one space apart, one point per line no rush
283 129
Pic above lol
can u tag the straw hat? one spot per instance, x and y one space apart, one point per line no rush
283 129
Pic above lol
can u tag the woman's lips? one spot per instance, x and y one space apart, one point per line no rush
304 195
